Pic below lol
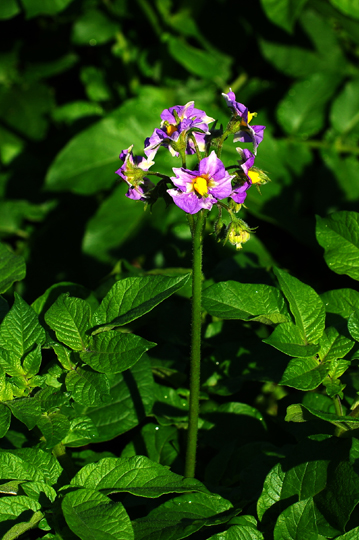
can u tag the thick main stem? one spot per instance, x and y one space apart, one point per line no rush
194 385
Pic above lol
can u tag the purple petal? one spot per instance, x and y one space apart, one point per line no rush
190 202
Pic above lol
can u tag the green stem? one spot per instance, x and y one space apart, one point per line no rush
194 385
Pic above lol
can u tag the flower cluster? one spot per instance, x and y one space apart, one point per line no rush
184 130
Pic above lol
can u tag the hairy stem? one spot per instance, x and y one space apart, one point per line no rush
197 233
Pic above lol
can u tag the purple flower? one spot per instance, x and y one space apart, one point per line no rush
240 190
133 173
177 123
201 188
246 132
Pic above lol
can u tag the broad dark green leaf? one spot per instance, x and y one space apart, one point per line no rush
12 268
338 234
182 516
305 304
88 387
341 301
27 410
298 522
353 324
35 490
159 443
12 507
9 9
30 464
211 64
246 301
92 516
82 431
20 329
241 531
94 28
54 428
114 352
44 7
288 338
344 112
304 373
132 394
25 107
341 495
302 111
70 318
301 413
108 229
333 345
132 297
348 7
283 12
5 419
137 475
89 161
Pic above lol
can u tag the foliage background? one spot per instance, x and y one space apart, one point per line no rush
83 79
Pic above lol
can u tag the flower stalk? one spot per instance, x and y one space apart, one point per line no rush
195 365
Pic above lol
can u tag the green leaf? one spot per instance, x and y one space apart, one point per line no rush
70 318
9 9
88 387
82 431
25 107
27 410
137 475
182 516
5 419
341 301
302 474
289 339
92 516
298 522
94 28
348 7
29 464
302 111
70 112
108 229
344 114
283 13
114 352
35 490
333 345
304 373
211 65
20 329
340 496
350 535
12 507
338 234
89 161
159 443
44 7
32 362
245 301
95 84
12 268
239 532
291 60
353 325
305 304
132 297
132 394
54 428
301 413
